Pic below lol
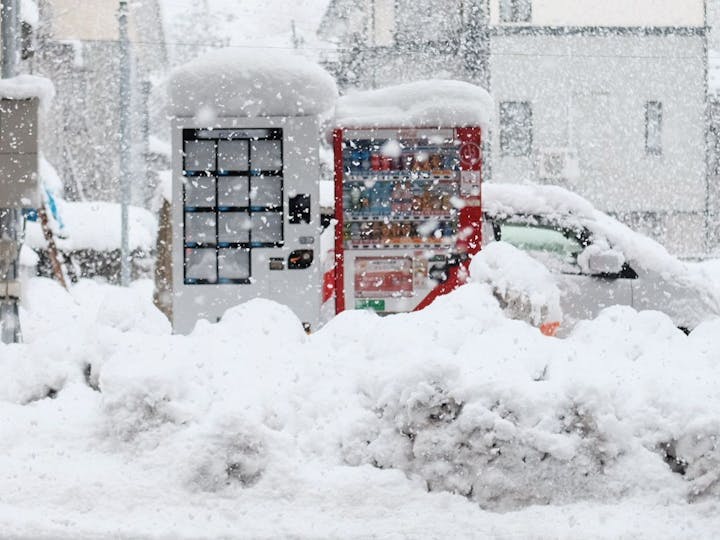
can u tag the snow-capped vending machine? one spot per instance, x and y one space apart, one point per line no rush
408 213
246 217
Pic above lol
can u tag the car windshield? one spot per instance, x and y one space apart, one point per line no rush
557 249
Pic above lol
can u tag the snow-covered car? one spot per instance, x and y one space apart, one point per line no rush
597 261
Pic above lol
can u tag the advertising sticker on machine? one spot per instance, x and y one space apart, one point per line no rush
383 277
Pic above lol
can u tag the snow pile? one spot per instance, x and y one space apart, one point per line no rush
431 104
195 436
524 287
96 225
27 87
233 82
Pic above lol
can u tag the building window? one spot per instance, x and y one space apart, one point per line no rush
422 21
653 128
515 11
516 128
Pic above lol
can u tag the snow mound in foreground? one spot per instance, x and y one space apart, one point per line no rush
232 82
455 399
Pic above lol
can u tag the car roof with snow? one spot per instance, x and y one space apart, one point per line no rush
564 207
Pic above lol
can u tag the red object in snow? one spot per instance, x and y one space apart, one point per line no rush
405 234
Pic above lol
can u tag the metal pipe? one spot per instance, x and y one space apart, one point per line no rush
8 28
10 218
124 143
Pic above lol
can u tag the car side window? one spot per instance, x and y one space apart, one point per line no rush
557 249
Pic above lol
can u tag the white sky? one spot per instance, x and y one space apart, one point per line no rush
253 23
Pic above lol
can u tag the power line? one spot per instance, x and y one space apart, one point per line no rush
374 49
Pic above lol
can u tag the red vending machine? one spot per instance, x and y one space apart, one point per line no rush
408 210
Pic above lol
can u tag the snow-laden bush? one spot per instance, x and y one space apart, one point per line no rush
501 452
232 450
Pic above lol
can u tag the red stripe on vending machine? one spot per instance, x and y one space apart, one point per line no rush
340 221
409 216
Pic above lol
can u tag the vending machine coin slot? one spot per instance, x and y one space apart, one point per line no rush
300 259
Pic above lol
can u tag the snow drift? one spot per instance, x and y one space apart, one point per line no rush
457 398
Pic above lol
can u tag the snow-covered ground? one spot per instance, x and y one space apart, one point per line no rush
454 422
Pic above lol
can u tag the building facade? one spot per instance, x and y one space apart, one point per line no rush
608 99
78 49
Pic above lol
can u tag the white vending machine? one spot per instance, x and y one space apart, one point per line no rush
246 217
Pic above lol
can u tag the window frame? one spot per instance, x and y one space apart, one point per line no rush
511 11
506 144
654 147
581 236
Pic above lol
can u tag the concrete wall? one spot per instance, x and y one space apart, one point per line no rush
588 94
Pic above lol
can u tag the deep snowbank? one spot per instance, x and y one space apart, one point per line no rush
344 432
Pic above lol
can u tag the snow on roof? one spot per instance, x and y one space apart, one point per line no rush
96 225
27 87
431 103
234 82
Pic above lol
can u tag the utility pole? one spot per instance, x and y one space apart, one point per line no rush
10 218
124 143
295 40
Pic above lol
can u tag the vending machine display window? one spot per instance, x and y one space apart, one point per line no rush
408 213
232 201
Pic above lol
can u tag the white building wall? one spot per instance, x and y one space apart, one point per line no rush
617 13
588 94
384 23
